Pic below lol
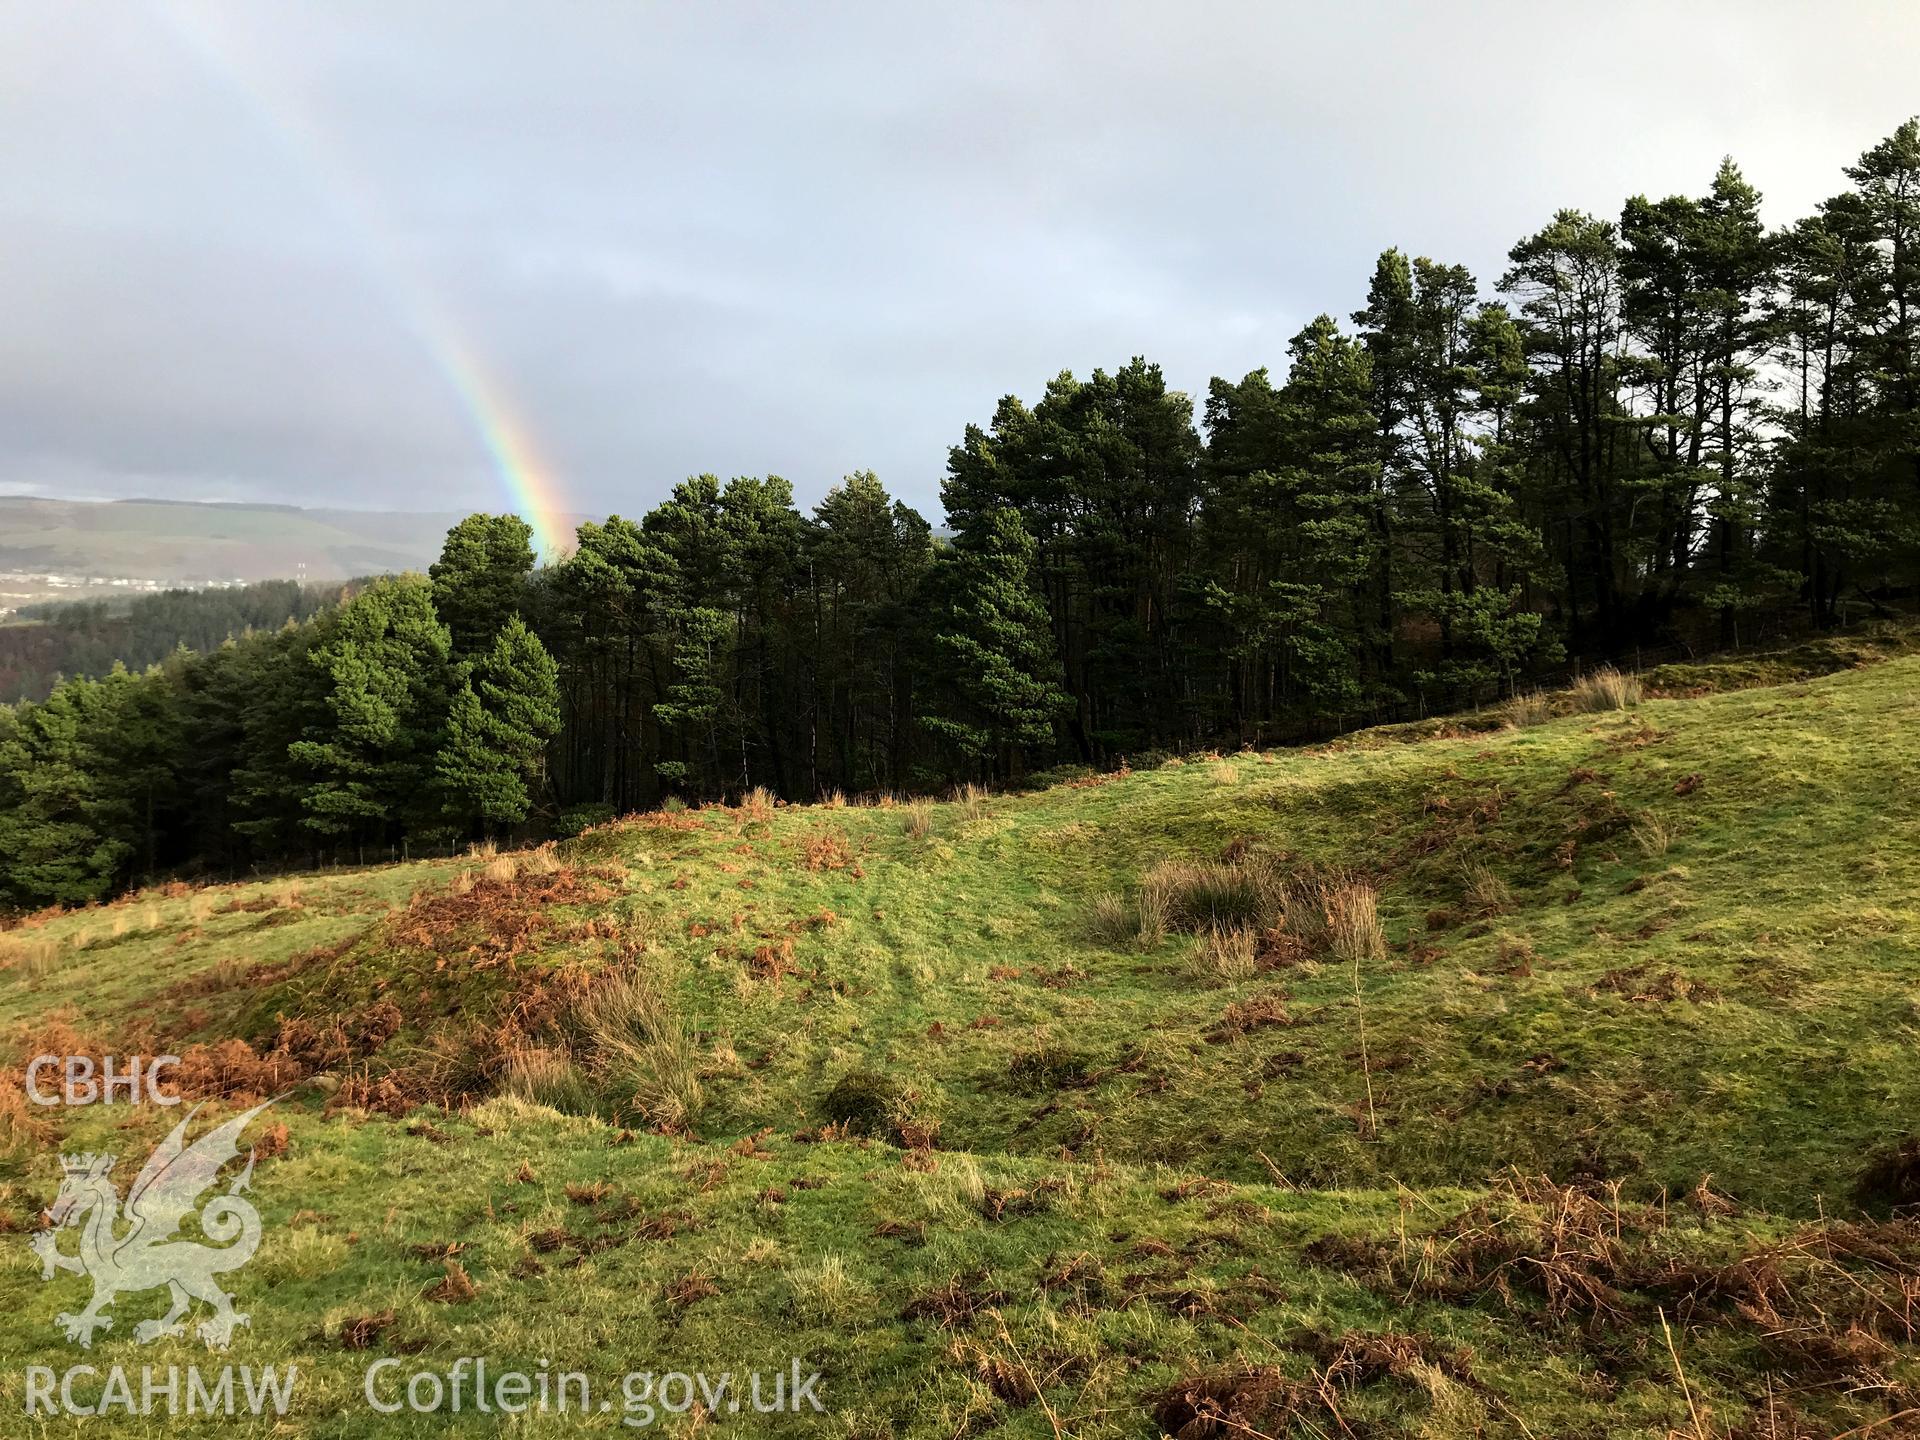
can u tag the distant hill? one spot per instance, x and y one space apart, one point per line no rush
188 543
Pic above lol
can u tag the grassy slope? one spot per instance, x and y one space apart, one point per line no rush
1718 977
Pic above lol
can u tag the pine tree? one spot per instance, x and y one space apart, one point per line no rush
865 557
480 578
66 832
1003 693
492 763
385 659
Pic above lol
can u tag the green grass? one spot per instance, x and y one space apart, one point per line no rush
1675 941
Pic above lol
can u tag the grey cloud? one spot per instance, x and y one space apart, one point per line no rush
795 239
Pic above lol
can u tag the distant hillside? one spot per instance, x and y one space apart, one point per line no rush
183 543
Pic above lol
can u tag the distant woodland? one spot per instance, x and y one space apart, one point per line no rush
1673 425
88 637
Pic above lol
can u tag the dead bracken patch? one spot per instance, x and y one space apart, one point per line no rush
825 849
690 1288
1825 1304
360 1331
1642 984
1241 1401
1254 1013
496 919
455 1287
954 1304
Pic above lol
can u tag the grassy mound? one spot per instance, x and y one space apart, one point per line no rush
1545 1079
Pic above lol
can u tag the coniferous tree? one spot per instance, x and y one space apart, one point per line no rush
480 578
492 763
1567 279
65 833
385 660
1002 693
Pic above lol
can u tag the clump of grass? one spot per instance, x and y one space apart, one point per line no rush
502 869
1210 895
643 1052
1112 921
756 806
918 820
541 860
1654 835
1485 892
1531 709
546 1075
672 805
834 800
1151 917
971 801
32 955
462 883
1223 954
1354 932
823 1293
864 1102
1222 772
1605 689
1046 1064
482 850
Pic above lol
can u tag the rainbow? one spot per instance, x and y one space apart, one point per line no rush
483 400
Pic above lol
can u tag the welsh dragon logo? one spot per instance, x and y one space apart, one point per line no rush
149 1252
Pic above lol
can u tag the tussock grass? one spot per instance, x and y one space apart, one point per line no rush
1197 895
824 1292
482 850
917 821
546 1075
1153 916
1654 833
1605 689
1354 932
502 869
1223 954
30 955
1483 891
756 806
1111 920
971 801
1533 708
642 1053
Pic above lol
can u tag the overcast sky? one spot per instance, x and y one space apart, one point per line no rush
239 242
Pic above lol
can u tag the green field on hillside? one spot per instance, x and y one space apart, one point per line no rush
1101 1110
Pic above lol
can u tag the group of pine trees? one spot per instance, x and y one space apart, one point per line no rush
1676 425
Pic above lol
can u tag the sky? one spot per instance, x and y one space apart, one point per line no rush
473 255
